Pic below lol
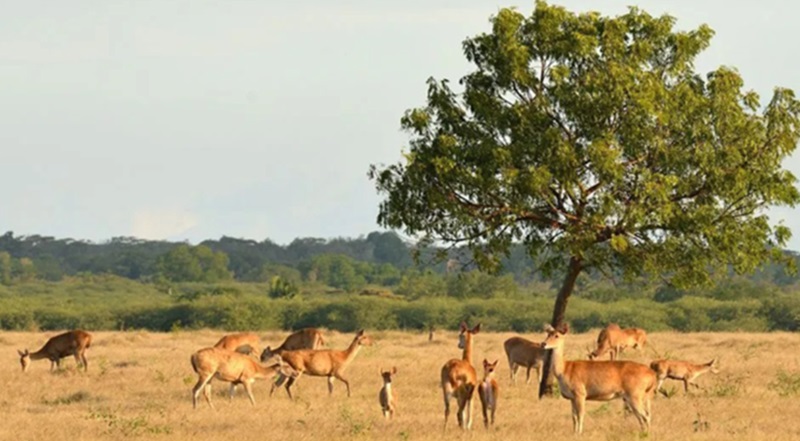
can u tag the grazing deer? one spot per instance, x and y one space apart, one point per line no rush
460 380
233 367
63 345
525 353
614 340
488 392
681 370
324 362
387 398
583 380
246 343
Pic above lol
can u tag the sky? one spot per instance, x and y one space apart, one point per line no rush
190 120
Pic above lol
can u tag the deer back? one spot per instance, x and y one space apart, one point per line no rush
245 342
66 344
608 379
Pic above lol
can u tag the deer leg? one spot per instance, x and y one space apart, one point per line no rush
232 391
512 369
578 412
528 375
330 385
290 382
201 382
462 404
207 394
277 383
640 410
484 405
686 385
85 362
446 392
470 408
248 387
343 380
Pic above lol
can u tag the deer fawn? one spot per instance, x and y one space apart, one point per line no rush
614 340
522 352
681 370
583 380
63 345
246 343
488 392
387 397
324 362
460 380
233 367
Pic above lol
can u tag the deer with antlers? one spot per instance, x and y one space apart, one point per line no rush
582 380
63 345
323 362
614 340
459 379
681 370
387 397
488 392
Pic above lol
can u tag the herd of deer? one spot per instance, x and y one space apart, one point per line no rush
233 360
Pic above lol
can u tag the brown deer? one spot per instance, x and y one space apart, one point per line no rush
323 362
245 342
63 345
460 380
488 392
583 380
387 397
524 353
306 338
681 370
614 340
232 367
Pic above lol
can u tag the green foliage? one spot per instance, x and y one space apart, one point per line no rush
593 140
279 288
186 263
786 384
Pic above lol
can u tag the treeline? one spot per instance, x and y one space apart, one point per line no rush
344 284
110 302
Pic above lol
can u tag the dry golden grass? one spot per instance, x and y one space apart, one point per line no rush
139 383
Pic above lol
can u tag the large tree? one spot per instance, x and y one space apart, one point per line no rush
594 142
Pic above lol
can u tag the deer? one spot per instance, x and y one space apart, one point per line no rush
459 379
63 345
306 338
387 397
323 362
232 367
681 370
245 342
582 380
525 353
614 340
488 392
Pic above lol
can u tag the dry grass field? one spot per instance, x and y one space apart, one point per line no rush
138 387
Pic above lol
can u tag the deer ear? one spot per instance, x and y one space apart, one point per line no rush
548 328
394 370
21 354
485 362
564 328
463 326
476 329
360 333
495 363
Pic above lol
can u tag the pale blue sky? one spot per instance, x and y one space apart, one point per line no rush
259 119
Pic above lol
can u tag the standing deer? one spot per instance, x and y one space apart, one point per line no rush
63 345
488 392
232 367
323 362
681 370
614 340
246 343
387 398
525 353
460 380
583 380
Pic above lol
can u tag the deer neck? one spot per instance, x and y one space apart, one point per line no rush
350 353
467 354
38 355
558 363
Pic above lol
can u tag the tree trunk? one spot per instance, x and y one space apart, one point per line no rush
560 308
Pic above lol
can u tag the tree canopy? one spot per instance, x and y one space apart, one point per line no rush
594 142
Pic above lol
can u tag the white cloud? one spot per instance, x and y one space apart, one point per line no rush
159 224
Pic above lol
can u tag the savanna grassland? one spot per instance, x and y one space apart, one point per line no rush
138 387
